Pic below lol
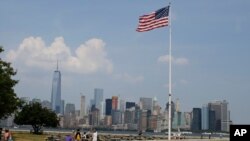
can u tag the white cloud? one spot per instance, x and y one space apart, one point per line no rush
177 61
128 78
89 57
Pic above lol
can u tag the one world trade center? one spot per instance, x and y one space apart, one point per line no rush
56 91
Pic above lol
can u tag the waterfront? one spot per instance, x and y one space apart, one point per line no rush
31 137
110 135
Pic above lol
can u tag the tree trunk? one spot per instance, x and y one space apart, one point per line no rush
36 129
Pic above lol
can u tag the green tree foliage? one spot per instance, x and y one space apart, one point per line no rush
37 116
9 102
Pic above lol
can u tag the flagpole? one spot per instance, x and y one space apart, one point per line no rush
170 77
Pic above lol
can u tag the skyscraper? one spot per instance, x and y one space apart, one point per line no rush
173 110
98 99
221 112
196 121
146 103
108 106
62 106
204 117
70 108
116 117
56 91
46 104
114 102
216 107
211 119
225 119
122 105
130 104
82 108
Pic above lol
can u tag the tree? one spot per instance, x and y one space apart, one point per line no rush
37 116
9 102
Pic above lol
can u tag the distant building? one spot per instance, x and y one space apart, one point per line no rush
146 103
98 98
122 105
205 117
114 102
216 107
222 117
36 100
62 107
178 120
212 120
156 107
70 116
46 104
116 117
196 121
108 120
137 114
77 113
144 120
177 105
92 103
173 110
152 122
108 106
188 120
129 116
94 116
130 105
225 116
56 91
82 108
70 108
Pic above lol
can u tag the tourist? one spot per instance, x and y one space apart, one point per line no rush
84 136
7 135
140 133
68 138
78 135
94 135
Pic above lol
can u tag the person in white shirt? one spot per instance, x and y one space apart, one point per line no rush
94 136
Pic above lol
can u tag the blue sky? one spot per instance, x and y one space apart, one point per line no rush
98 47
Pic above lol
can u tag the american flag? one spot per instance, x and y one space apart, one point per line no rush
154 20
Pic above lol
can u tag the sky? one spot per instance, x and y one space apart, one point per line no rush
97 46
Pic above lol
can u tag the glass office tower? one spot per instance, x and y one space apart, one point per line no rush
56 92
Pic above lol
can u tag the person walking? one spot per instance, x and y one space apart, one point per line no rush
78 135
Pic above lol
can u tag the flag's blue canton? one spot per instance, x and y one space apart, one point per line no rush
163 12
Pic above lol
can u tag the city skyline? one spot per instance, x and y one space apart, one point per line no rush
212 116
97 46
149 102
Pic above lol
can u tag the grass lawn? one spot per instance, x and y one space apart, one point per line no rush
28 137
